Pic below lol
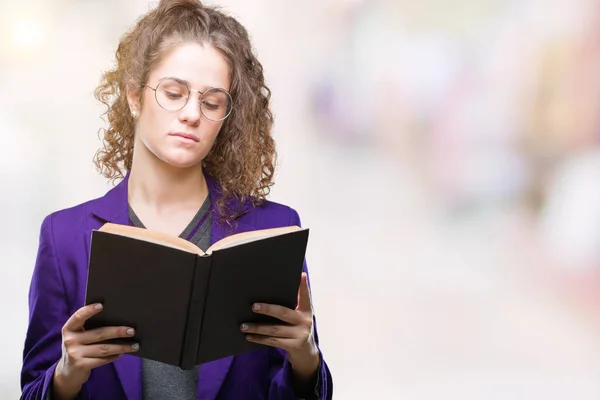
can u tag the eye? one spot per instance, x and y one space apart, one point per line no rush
210 106
173 96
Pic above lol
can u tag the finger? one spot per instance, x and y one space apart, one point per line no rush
304 299
105 333
281 331
107 350
282 343
282 313
77 320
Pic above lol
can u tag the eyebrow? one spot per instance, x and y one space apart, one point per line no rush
204 89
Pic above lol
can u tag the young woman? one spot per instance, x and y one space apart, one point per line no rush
190 134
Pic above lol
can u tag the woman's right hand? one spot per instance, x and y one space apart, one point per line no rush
81 351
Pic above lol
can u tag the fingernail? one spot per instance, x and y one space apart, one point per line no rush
244 327
135 346
256 307
98 306
130 331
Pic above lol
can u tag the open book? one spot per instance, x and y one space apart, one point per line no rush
187 305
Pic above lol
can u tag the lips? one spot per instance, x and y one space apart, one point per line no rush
184 135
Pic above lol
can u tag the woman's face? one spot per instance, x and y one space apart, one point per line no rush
176 132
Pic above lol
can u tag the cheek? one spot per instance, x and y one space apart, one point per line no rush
148 133
152 125
210 133
145 132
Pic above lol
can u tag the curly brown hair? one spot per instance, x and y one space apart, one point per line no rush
243 156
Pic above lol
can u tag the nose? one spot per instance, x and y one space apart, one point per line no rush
190 114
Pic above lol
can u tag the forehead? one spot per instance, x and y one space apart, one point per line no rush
201 65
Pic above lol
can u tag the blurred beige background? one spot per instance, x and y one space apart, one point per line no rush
445 154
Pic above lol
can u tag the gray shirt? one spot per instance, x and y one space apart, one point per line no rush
163 381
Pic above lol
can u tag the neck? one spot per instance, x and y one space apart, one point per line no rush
162 187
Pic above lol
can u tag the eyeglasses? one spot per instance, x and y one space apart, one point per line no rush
173 94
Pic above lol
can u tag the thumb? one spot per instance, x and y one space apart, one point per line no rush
304 300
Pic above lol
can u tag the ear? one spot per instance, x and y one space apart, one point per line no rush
133 99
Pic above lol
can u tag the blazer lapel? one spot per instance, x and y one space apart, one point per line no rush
113 208
129 370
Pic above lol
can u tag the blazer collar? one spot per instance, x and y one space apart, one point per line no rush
113 207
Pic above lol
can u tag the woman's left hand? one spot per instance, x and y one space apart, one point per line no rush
296 337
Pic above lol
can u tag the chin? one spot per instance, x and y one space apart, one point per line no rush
184 164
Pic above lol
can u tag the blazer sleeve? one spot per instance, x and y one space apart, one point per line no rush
282 387
48 311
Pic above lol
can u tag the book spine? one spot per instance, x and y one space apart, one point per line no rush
195 313
209 263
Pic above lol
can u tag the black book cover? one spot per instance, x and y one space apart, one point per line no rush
187 308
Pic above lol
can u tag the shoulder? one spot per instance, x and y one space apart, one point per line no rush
69 221
273 214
